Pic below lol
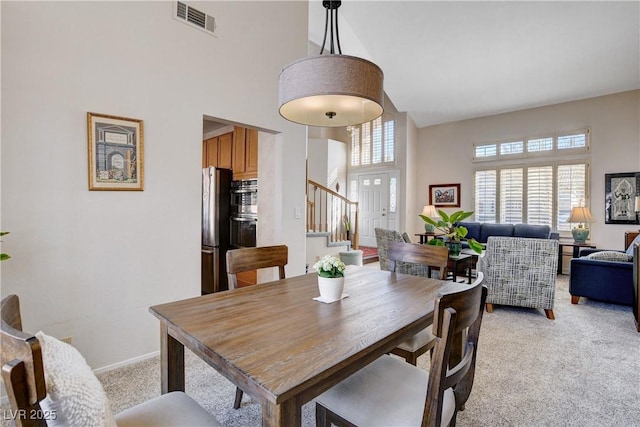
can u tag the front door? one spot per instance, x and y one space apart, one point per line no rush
373 196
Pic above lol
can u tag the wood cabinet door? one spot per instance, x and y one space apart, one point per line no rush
212 151
225 149
251 147
238 159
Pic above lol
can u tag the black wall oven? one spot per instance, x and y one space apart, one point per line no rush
244 213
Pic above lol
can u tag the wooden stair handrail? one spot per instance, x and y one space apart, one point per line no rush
315 211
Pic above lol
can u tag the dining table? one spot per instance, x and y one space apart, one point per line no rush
283 347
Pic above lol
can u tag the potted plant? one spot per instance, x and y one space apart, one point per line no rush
330 277
4 257
452 233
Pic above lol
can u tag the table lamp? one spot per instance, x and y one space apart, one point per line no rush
430 212
580 215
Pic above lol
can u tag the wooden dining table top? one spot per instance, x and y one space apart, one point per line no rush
277 343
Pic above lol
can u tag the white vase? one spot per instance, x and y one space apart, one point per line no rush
331 287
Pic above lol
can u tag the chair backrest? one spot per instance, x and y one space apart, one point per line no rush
414 253
636 284
247 259
22 369
459 308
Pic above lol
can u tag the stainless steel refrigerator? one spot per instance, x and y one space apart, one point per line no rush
216 204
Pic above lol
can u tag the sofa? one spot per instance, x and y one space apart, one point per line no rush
481 231
602 275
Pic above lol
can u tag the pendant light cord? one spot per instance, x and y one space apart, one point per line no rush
331 14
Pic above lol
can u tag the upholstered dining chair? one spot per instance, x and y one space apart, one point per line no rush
248 259
47 379
391 392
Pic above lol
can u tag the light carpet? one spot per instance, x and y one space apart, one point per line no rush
582 369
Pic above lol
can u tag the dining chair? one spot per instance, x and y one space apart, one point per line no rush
40 372
392 392
248 259
411 254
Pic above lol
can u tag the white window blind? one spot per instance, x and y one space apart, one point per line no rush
389 140
355 147
485 202
377 141
373 143
366 144
540 195
572 190
511 196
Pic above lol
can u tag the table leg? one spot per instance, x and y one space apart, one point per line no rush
171 362
288 413
469 270
454 273
560 247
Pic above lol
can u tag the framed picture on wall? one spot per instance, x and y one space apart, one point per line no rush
620 190
115 152
444 195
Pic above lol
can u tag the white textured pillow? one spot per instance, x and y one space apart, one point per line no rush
610 256
73 391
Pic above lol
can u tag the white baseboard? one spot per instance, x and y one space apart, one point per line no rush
4 399
125 363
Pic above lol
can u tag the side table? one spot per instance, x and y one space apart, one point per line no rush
462 260
576 250
424 237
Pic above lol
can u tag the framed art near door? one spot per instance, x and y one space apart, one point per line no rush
115 152
620 191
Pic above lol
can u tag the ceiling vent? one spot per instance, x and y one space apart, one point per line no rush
192 16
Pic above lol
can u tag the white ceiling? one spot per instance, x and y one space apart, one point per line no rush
449 60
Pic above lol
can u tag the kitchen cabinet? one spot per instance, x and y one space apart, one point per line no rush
218 151
245 153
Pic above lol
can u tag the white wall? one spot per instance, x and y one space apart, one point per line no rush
445 151
88 264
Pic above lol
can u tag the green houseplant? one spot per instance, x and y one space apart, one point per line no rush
452 233
4 257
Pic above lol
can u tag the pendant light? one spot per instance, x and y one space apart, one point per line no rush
332 90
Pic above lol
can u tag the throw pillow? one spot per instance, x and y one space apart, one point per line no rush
610 256
630 248
74 394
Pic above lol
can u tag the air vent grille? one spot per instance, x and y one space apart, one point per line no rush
194 17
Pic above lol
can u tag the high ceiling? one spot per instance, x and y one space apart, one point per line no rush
449 60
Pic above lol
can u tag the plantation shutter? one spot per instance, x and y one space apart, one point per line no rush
571 191
485 193
540 195
511 196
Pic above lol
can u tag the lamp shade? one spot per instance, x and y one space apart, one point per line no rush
430 211
580 214
331 91
637 203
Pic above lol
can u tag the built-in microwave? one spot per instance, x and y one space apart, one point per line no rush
244 197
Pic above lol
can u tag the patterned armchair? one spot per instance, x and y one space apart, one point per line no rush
520 272
383 238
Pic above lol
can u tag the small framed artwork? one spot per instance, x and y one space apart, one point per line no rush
444 195
115 152
620 190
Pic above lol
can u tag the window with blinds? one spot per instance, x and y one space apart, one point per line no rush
535 191
373 143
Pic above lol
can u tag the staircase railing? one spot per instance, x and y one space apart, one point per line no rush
331 212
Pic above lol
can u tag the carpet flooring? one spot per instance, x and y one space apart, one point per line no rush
582 369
